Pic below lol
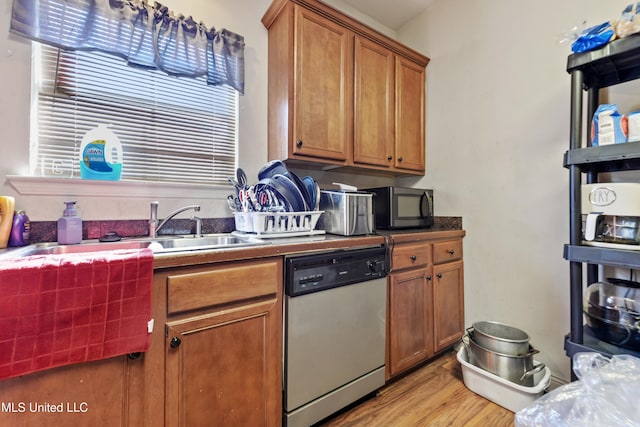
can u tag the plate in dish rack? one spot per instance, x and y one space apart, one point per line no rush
291 192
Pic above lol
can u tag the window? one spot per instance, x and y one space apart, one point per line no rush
172 129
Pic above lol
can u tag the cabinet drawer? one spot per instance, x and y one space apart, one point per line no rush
447 251
411 255
223 284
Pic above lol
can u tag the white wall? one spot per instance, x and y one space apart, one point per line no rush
497 127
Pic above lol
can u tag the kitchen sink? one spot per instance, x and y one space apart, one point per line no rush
208 241
158 245
54 248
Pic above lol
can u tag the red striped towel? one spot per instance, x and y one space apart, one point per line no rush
61 309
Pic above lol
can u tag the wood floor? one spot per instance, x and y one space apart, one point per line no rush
434 395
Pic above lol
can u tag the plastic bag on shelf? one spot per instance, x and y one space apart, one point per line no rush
594 37
629 22
572 34
606 394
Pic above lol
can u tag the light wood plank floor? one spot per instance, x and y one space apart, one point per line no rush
433 395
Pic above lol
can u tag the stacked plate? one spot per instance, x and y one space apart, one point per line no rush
277 190
295 194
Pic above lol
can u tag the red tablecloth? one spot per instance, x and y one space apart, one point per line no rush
62 309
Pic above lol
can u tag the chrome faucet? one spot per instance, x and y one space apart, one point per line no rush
154 228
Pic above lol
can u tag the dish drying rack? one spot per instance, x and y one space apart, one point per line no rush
278 224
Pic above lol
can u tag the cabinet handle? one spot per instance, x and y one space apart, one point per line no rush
439 275
389 158
175 342
299 143
413 258
400 158
134 356
451 251
429 278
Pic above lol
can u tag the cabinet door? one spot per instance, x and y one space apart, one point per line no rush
373 106
323 94
410 141
92 394
448 304
410 320
223 368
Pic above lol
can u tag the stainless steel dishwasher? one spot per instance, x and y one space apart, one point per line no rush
334 331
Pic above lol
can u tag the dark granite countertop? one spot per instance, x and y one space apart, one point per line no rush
443 228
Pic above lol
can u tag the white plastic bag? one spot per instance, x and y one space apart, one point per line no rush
607 393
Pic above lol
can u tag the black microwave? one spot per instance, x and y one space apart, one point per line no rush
402 207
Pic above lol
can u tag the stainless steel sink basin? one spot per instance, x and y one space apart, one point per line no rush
209 241
54 248
158 245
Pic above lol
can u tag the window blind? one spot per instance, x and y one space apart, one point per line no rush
172 129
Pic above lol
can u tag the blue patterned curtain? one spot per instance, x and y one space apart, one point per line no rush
144 35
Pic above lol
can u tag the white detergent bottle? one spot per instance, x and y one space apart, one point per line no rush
101 155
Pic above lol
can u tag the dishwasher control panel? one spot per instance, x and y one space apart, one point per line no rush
316 272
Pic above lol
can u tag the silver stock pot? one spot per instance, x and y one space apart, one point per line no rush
519 368
501 338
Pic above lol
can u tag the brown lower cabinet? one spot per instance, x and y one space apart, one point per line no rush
425 303
223 344
101 393
216 348
215 359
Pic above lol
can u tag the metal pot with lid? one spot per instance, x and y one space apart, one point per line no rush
519 369
499 337
612 311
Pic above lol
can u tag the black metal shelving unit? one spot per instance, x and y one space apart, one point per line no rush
615 63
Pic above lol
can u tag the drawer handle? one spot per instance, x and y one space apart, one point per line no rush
413 258
439 275
175 342
451 251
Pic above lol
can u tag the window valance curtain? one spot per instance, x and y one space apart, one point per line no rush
145 35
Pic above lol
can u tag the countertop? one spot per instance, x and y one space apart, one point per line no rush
298 245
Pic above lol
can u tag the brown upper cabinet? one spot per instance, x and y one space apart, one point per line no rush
342 94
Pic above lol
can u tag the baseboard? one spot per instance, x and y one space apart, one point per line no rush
556 382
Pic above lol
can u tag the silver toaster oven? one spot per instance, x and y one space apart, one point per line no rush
347 213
